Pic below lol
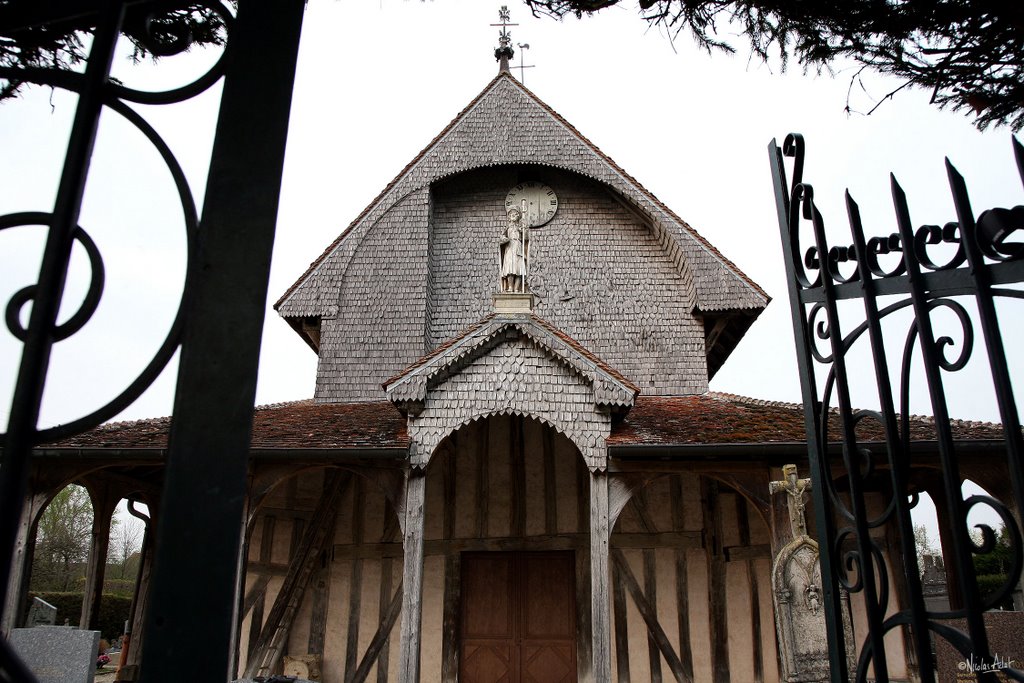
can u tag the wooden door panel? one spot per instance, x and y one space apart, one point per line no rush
518 617
548 663
488 609
547 596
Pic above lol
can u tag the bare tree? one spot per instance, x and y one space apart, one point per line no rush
62 541
125 541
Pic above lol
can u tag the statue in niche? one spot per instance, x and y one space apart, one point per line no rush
512 253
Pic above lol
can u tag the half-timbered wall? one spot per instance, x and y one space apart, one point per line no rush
681 545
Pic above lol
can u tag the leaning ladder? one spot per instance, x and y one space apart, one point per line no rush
315 540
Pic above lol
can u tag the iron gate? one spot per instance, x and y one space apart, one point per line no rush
887 274
220 319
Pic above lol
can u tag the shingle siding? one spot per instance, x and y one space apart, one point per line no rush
599 274
380 316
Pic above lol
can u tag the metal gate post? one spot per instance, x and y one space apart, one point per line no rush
193 607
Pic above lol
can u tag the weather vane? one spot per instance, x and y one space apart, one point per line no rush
523 67
504 51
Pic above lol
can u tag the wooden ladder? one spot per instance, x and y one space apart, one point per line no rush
317 538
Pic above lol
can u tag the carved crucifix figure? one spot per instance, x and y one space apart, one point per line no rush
795 487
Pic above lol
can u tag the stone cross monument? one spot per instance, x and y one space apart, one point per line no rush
796 590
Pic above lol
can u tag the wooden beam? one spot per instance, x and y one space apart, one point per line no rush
712 515
482 477
550 483
319 533
733 553
682 579
517 477
649 615
256 620
599 571
412 597
256 591
450 625
651 594
584 658
355 584
387 604
104 501
378 645
631 540
321 604
621 627
743 526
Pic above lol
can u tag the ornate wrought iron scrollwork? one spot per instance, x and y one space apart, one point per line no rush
162 32
868 486
158 28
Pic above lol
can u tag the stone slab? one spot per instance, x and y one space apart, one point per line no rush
58 654
1004 636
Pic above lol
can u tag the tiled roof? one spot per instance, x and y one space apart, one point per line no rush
711 419
716 418
299 424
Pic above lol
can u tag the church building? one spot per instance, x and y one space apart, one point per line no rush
512 468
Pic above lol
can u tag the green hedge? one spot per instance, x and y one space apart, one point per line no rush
114 610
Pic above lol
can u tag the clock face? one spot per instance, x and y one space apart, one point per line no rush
536 202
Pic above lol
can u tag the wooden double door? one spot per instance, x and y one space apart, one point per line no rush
518 617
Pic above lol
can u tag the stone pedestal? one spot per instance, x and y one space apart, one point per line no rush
513 302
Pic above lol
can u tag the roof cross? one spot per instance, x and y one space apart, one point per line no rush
796 488
504 51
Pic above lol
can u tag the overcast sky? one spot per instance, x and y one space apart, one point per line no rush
378 79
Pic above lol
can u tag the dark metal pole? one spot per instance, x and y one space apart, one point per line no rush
46 295
192 607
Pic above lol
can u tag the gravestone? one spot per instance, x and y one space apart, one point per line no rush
1004 641
933 583
41 613
797 593
57 654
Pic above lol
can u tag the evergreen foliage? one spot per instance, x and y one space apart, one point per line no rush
62 42
114 610
968 53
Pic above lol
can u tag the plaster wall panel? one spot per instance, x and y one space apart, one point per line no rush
700 632
336 632
692 516
770 660
431 645
665 570
737 591
298 636
281 552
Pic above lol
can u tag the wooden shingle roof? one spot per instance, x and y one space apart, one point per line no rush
532 133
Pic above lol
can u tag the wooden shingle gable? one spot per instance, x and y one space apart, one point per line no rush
508 125
408 390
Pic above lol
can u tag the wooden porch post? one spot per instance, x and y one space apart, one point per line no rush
21 563
600 617
412 595
104 501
